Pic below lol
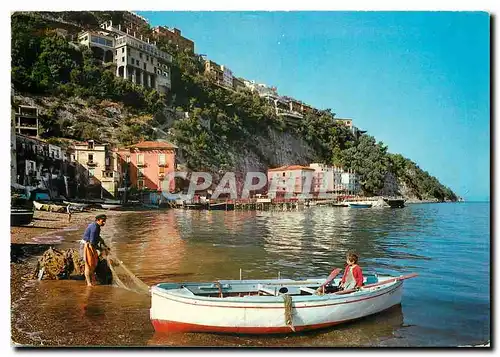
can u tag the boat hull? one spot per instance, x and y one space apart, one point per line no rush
20 217
360 205
111 206
266 315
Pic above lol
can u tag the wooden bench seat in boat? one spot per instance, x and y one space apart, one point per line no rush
307 290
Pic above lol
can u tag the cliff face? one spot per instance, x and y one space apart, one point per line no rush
68 117
272 149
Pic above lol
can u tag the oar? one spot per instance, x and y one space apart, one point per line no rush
402 277
329 279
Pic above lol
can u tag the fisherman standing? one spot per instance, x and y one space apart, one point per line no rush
89 245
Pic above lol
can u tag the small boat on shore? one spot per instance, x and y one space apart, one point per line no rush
111 206
359 205
49 207
268 306
20 216
76 204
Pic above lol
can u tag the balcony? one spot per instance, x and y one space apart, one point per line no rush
288 113
161 176
91 163
163 164
109 175
141 164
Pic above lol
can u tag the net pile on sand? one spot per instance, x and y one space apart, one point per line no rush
57 264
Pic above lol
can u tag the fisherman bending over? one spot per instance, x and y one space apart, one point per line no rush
89 245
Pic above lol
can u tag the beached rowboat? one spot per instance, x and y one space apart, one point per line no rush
110 206
49 207
76 204
267 306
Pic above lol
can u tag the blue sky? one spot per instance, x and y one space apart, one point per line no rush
418 81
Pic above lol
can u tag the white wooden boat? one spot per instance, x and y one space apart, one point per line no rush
49 207
110 206
267 306
76 204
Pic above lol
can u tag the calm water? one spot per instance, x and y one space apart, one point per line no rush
447 244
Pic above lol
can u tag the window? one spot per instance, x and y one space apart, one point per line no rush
116 52
147 58
91 144
123 59
123 49
140 184
152 60
140 55
137 62
132 60
161 159
140 159
107 161
161 170
140 172
155 70
91 158
144 65
283 174
127 159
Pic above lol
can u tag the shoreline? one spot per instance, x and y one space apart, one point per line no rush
44 223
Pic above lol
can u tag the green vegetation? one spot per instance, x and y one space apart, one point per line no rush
220 123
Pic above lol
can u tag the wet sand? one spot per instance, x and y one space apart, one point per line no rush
27 244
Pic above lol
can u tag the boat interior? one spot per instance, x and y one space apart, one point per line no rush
274 287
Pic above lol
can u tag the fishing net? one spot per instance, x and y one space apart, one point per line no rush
57 264
288 311
124 278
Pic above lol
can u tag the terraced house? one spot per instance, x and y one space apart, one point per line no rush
145 165
135 58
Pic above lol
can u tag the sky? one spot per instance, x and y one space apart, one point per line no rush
417 81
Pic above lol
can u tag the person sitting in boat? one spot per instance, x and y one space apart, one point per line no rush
89 245
353 275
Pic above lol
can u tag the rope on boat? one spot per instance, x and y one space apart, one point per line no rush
288 311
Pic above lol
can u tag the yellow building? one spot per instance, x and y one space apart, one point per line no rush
96 166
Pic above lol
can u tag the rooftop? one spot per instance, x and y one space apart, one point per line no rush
152 145
291 168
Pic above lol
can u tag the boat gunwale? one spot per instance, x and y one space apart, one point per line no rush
278 300
302 299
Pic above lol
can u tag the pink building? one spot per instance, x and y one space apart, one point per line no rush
147 164
278 179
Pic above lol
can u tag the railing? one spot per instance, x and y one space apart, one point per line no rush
141 164
91 163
